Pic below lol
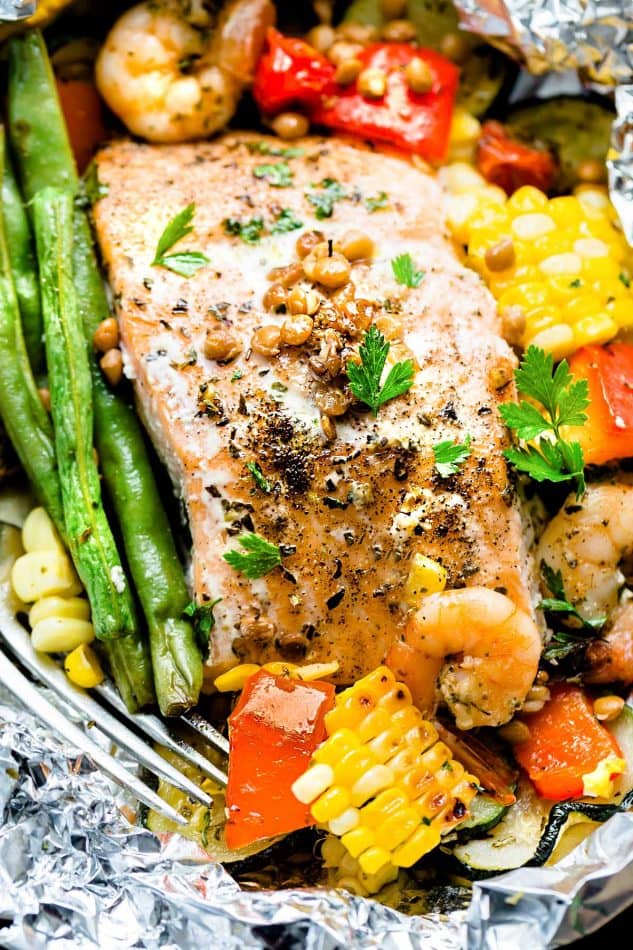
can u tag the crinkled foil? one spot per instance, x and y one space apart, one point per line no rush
16 9
621 164
594 36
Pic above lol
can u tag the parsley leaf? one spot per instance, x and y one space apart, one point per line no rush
285 221
265 148
262 557
277 174
624 278
184 263
364 379
562 402
323 201
450 455
249 231
404 271
203 622
381 200
260 479
565 642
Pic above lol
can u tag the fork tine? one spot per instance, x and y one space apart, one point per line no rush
50 673
210 733
156 729
30 696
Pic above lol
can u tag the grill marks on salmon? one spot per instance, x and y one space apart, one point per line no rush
350 508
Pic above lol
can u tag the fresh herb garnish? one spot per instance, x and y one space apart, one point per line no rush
562 402
450 455
364 379
258 476
323 201
285 221
576 283
249 231
91 189
405 272
625 279
236 375
262 557
277 174
203 622
381 200
265 148
565 642
184 263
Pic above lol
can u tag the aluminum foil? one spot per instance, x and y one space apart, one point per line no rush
621 164
12 10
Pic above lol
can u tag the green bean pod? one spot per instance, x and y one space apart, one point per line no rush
91 542
23 265
25 419
128 476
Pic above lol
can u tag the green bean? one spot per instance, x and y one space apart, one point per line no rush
89 536
148 542
23 265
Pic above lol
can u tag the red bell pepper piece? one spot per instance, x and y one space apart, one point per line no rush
608 432
273 731
566 742
506 162
292 74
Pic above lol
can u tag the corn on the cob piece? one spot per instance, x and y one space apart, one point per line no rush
570 269
234 679
382 781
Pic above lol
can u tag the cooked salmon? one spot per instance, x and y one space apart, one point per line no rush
268 439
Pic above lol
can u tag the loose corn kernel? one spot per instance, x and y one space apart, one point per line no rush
42 573
595 329
465 128
315 671
39 534
387 778
558 340
83 668
74 608
61 634
426 576
234 679
532 225
527 199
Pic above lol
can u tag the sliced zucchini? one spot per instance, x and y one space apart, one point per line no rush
622 731
485 813
482 78
368 12
575 129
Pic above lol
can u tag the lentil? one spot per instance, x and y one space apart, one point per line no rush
221 345
348 71
501 255
296 331
45 396
536 699
333 271
342 51
372 83
112 366
455 46
266 340
321 37
308 241
106 335
390 327
419 76
355 245
592 170
290 125
333 402
286 276
515 732
399 31
608 708
276 296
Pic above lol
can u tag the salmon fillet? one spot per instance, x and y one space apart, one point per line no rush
352 498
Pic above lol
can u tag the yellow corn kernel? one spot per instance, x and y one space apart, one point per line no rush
558 340
339 744
465 128
565 288
532 225
615 289
60 634
551 245
358 840
373 883
494 195
420 843
42 573
75 608
39 534
83 668
316 671
527 199
387 803
566 211
539 318
352 766
313 783
590 247
397 829
460 178
562 265
622 312
331 804
584 306
426 576
525 296
460 210
279 668
372 781
375 723
595 329
347 820
234 679
332 852
374 859
385 745
596 269
594 200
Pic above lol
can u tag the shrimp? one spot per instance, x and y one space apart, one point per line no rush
479 648
166 80
610 660
587 541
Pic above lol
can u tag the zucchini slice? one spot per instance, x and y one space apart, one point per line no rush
575 129
483 77
485 813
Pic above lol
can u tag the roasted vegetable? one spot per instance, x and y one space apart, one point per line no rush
608 432
575 130
510 164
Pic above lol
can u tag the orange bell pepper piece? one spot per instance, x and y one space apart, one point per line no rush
608 432
273 731
566 742
83 113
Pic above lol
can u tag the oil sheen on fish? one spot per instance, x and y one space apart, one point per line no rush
347 498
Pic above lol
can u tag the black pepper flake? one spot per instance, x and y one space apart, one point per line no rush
448 412
459 809
213 490
148 283
400 470
242 408
245 307
335 599
338 569
181 306
287 549
484 411
331 502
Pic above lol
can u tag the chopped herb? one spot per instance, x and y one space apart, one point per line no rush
203 622
265 148
562 402
626 280
91 188
249 231
365 380
576 283
260 479
277 174
262 557
565 642
285 221
450 455
236 375
323 201
184 263
381 200
405 272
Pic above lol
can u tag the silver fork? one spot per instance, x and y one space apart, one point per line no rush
110 716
